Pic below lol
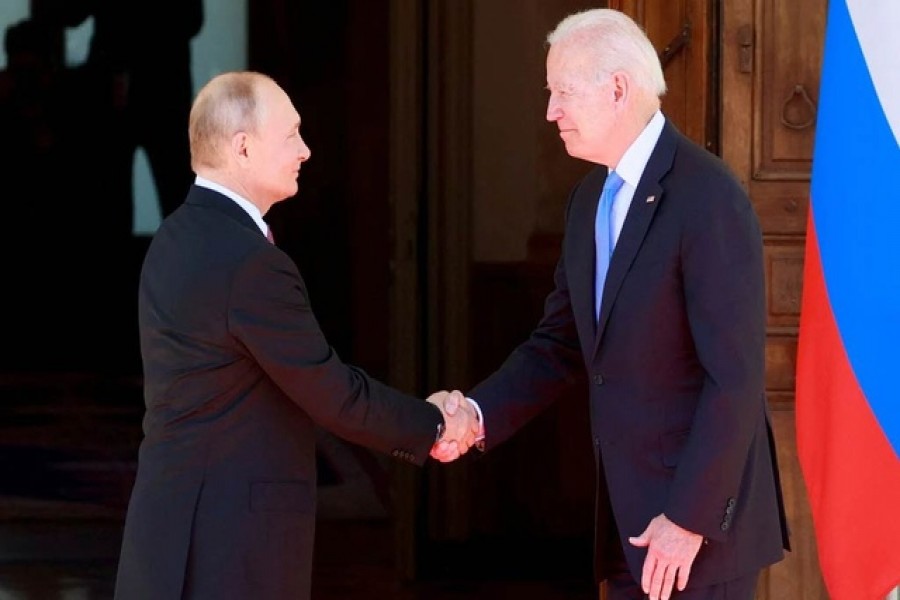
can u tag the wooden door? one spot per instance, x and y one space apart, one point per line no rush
682 31
770 61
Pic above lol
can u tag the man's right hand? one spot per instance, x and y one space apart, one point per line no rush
461 425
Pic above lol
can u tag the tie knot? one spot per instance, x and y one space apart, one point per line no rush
613 183
269 236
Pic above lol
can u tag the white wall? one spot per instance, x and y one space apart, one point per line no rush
11 11
222 43
220 46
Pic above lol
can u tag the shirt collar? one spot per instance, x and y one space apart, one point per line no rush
634 161
250 208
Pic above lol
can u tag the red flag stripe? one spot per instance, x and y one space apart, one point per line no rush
848 463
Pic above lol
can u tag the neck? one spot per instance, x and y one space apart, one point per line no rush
227 179
630 129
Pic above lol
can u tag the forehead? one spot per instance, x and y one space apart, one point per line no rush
568 63
277 105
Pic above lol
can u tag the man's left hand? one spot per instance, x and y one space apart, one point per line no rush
671 551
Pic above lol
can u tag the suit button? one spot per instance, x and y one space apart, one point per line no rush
598 379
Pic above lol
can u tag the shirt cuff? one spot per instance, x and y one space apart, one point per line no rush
479 439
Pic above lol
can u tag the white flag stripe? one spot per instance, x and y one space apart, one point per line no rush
876 23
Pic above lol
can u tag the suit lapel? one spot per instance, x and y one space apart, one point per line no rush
647 198
581 246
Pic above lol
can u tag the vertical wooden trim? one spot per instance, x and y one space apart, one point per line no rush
735 137
430 116
449 196
697 71
405 185
713 25
449 189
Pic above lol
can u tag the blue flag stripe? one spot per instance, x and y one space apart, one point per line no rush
857 214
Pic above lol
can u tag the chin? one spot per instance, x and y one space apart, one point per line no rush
573 151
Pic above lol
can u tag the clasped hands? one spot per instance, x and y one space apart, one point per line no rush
462 428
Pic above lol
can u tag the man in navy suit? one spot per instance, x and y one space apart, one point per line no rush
237 374
658 301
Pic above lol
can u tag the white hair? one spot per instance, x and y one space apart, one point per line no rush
617 44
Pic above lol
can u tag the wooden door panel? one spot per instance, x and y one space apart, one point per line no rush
789 36
780 205
781 355
687 101
771 57
784 273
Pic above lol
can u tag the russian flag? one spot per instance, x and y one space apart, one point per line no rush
848 363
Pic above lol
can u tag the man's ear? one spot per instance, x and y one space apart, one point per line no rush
240 147
621 86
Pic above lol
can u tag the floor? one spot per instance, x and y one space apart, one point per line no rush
59 561
67 448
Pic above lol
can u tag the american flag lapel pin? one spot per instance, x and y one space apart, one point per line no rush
651 199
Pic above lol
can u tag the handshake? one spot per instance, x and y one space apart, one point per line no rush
462 426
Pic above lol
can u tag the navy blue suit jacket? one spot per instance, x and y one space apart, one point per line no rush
237 374
676 364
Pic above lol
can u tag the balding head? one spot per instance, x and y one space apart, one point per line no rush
245 135
229 103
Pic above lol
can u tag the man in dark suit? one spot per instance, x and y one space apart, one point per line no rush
659 302
237 374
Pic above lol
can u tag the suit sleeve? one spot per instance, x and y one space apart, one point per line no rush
540 371
724 285
270 314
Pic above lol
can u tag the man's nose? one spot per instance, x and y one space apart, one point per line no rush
554 113
305 152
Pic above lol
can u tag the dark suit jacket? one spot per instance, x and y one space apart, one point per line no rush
675 364
236 375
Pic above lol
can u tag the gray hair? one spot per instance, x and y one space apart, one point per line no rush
617 43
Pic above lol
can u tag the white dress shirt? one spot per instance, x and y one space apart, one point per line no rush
630 169
250 208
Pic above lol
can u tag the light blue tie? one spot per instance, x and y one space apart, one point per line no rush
603 237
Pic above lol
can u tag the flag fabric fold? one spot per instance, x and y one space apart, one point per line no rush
848 381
